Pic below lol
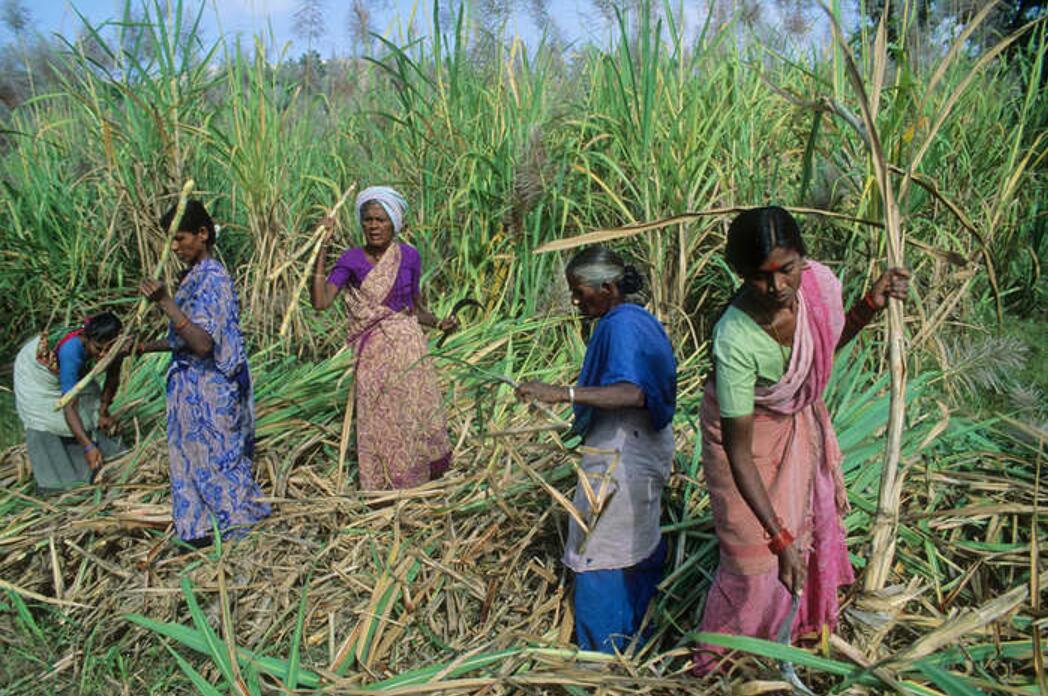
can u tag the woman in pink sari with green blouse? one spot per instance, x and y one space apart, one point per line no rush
769 452
402 437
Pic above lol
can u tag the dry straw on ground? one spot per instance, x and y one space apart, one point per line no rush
460 576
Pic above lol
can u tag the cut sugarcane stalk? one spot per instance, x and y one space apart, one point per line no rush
106 360
318 243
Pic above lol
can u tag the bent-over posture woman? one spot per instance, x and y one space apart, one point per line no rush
769 451
210 402
623 403
402 437
67 447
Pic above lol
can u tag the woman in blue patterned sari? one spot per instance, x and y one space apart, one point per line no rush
210 404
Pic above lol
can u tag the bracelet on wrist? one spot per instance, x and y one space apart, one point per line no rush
571 395
780 541
182 324
89 446
868 299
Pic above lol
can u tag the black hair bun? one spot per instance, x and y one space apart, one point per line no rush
632 281
103 327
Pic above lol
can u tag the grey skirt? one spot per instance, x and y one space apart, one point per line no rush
59 462
625 531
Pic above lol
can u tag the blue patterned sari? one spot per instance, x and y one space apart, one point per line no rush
211 414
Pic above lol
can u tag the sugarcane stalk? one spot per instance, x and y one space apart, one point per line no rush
607 234
143 304
886 519
343 441
318 243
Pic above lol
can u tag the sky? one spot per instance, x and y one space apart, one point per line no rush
577 20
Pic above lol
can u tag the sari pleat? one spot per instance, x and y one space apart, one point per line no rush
211 414
798 458
402 438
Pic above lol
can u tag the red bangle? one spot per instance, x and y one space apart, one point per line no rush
780 541
868 299
182 324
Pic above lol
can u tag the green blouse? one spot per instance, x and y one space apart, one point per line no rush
744 357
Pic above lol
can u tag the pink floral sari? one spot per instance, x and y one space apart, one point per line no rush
796 453
402 438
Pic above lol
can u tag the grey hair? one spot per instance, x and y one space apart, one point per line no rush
595 272
598 265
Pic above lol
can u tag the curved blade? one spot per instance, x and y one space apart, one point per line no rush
786 669
458 307
463 303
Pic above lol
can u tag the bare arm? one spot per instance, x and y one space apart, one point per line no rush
198 340
152 347
105 422
322 296
112 382
621 395
738 444
322 293
76 426
895 282
428 318
857 318
425 317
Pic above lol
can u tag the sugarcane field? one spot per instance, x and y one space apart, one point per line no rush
548 347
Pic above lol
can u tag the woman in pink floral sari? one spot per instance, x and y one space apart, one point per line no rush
769 451
402 438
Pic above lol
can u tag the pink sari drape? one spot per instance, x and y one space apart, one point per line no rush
796 453
402 438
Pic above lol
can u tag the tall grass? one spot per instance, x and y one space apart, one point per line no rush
496 155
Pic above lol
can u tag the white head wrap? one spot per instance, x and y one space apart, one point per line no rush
391 201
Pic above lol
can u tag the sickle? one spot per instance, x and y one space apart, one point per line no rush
512 384
786 668
459 306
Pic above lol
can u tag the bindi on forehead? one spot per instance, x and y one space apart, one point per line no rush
774 267
778 260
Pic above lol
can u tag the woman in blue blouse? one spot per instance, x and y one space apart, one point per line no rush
623 403
67 447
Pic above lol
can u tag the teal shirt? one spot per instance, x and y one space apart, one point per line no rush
744 357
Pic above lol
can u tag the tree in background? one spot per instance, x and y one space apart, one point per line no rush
916 11
607 8
308 21
360 23
1007 17
540 15
16 18
93 49
796 17
916 18
308 25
